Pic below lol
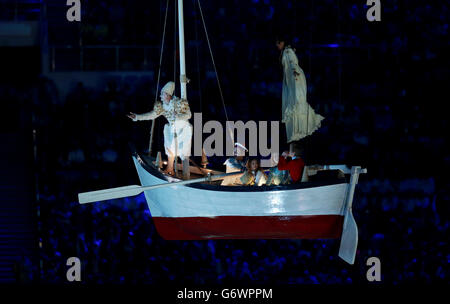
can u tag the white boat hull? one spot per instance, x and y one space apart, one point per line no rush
226 212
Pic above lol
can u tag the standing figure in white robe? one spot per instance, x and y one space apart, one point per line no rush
178 130
297 115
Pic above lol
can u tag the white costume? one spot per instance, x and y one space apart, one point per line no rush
298 116
177 112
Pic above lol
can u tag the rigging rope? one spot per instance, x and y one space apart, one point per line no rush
175 27
174 77
310 58
230 131
310 77
339 53
212 57
197 57
159 74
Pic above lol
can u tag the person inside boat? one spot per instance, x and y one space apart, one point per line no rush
178 130
278 177
292 163
254 175
235 164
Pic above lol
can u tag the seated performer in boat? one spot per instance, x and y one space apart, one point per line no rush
234 164
292 163
254 176
278 177
297 115
178 130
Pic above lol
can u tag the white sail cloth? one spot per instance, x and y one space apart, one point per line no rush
298 116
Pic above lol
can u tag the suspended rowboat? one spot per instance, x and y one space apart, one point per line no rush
197 209
200 210
204 211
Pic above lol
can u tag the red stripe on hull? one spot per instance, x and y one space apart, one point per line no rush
250 227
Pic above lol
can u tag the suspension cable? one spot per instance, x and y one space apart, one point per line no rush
339 54
162 50
159 75
310 58
310 77
175 27
212 57
197 57
230 131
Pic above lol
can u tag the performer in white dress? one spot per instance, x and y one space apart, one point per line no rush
178 130
297 115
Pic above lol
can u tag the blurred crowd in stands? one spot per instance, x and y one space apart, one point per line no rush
379 90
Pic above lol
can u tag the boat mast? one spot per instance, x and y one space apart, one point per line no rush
183 82
183 79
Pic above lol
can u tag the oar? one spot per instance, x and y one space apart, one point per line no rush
126 191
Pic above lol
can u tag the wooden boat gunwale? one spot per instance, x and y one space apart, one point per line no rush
151 169
186 225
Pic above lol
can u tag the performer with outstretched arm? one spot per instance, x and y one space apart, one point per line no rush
297 115
178 132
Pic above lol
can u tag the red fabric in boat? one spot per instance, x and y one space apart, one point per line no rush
295 167
250 227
